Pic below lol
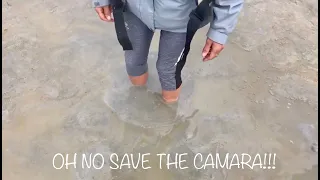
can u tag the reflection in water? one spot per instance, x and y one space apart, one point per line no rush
141 107
156 126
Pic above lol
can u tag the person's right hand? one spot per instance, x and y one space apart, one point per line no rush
105 13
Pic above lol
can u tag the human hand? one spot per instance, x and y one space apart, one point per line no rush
211 50
105 13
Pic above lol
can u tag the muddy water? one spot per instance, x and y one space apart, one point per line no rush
65 91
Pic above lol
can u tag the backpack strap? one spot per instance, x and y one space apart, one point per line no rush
118 7
199 17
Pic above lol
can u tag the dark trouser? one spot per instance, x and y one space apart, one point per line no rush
170 50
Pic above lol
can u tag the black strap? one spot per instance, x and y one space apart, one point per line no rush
199 17
118 8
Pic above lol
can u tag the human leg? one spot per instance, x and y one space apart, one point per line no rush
136 60
168 64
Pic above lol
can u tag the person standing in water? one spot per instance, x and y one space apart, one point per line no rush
143 17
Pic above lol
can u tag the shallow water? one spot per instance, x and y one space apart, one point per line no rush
65 90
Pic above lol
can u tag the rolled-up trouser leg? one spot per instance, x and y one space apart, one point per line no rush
170 51
140 36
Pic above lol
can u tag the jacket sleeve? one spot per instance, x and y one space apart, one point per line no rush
100 3
226 16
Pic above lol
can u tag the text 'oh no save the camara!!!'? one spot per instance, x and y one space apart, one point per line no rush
165 161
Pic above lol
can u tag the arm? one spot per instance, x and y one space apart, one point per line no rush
226 16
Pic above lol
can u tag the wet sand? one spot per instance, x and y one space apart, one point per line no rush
65 90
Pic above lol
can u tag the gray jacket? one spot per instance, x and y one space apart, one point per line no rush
173 15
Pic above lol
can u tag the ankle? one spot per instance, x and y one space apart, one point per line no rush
139 80
171 96
171 100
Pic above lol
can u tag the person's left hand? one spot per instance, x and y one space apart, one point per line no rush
211 50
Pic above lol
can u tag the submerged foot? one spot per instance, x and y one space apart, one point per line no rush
171 96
